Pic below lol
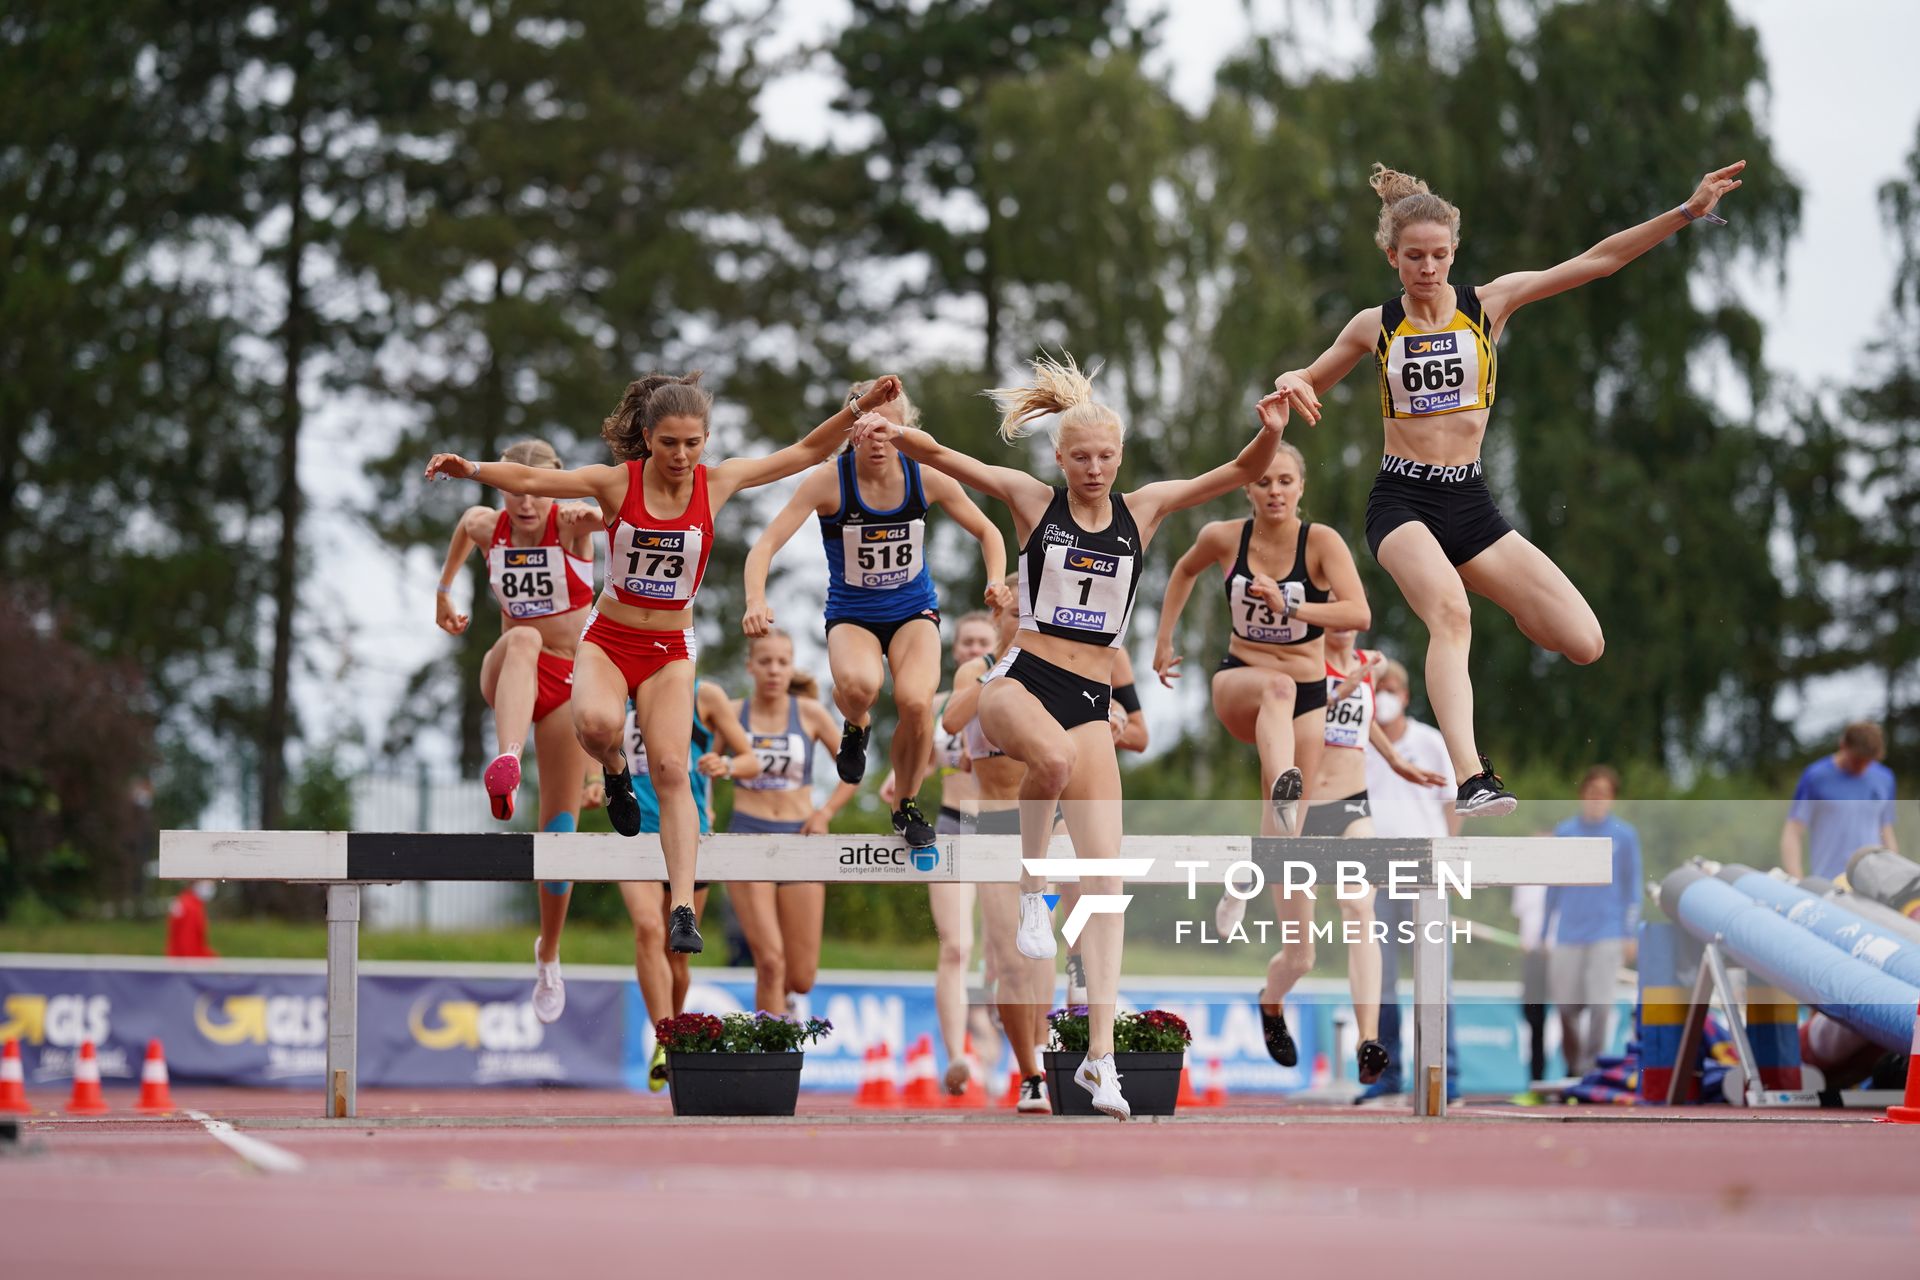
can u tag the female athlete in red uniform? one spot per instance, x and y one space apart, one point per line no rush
658 504
540 566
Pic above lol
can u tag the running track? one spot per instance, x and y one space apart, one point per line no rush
524 1184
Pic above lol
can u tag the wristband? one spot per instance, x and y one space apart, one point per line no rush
853 406
444 589
1710 218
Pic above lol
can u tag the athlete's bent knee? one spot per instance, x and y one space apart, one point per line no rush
649 934
954 955
1051 769
1449 619
1279 688
521 642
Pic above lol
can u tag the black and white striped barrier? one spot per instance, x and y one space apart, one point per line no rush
1425 869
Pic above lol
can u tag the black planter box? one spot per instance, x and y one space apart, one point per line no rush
734 1084
1149 1081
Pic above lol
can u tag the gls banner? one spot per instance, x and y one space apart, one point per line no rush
221 1027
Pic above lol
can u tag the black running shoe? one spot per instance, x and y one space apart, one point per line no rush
1286 800
623 809
910 823
1373 1060
1280 1045
683 935
1076 978
851 759
1484 795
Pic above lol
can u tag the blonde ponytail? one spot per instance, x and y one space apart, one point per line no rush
1058 387
1405 200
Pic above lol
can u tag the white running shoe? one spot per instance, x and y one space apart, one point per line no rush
549 988
1035 937
1099 1078
1076 979
1033 1096
1228 915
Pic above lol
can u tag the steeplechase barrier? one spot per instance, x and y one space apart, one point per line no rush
1427 869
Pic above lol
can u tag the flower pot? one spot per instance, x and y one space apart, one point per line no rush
734 1084
1149 1081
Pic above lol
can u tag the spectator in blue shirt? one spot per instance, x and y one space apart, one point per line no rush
1591 929
1844 803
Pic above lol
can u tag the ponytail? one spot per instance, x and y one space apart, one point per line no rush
646 401
1057 387
1405 200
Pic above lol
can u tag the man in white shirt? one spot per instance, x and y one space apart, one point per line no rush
1403 808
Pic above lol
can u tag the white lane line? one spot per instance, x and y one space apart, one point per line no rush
255 1151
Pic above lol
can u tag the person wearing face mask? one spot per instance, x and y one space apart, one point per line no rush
1431 519
187 923
1402 807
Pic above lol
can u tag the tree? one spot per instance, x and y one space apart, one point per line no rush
73 819
128 442
556 222
1604 447
924 73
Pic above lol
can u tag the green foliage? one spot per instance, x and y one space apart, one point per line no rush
738 1033
1148 1031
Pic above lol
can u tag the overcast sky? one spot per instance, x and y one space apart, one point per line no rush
1843 111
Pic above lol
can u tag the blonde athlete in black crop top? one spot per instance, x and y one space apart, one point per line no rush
1081 545
1431 521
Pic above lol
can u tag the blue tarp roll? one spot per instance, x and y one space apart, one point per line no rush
1860 938
1815 972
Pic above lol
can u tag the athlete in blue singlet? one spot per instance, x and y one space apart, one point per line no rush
881 603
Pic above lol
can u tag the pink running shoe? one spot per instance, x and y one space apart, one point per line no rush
502 779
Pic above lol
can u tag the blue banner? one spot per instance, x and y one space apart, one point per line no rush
223 1025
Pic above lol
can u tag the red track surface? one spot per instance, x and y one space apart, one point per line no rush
518 1184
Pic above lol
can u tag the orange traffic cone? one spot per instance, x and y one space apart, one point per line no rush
13 1082
1216 1091
922 1088
87 1099
974 1096
155 1097
876 1080
1909 1111
1322 1072
1187 1097
1011 1097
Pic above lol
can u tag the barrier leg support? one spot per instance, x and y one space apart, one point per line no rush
343 1000
1429 1082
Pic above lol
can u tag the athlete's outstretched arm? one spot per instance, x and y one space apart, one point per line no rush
445 616
1509 293
1154 502
1346 606
819 444
717 711
1025 496
946 491
805 501
1205 551
1302 387
595 481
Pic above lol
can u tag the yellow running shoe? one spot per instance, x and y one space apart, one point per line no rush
657 1069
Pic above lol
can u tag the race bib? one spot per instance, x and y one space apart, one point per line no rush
783 761
656 564
529 582
1434 372
880 557
636 746
1085 590
1349 719
1254 619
